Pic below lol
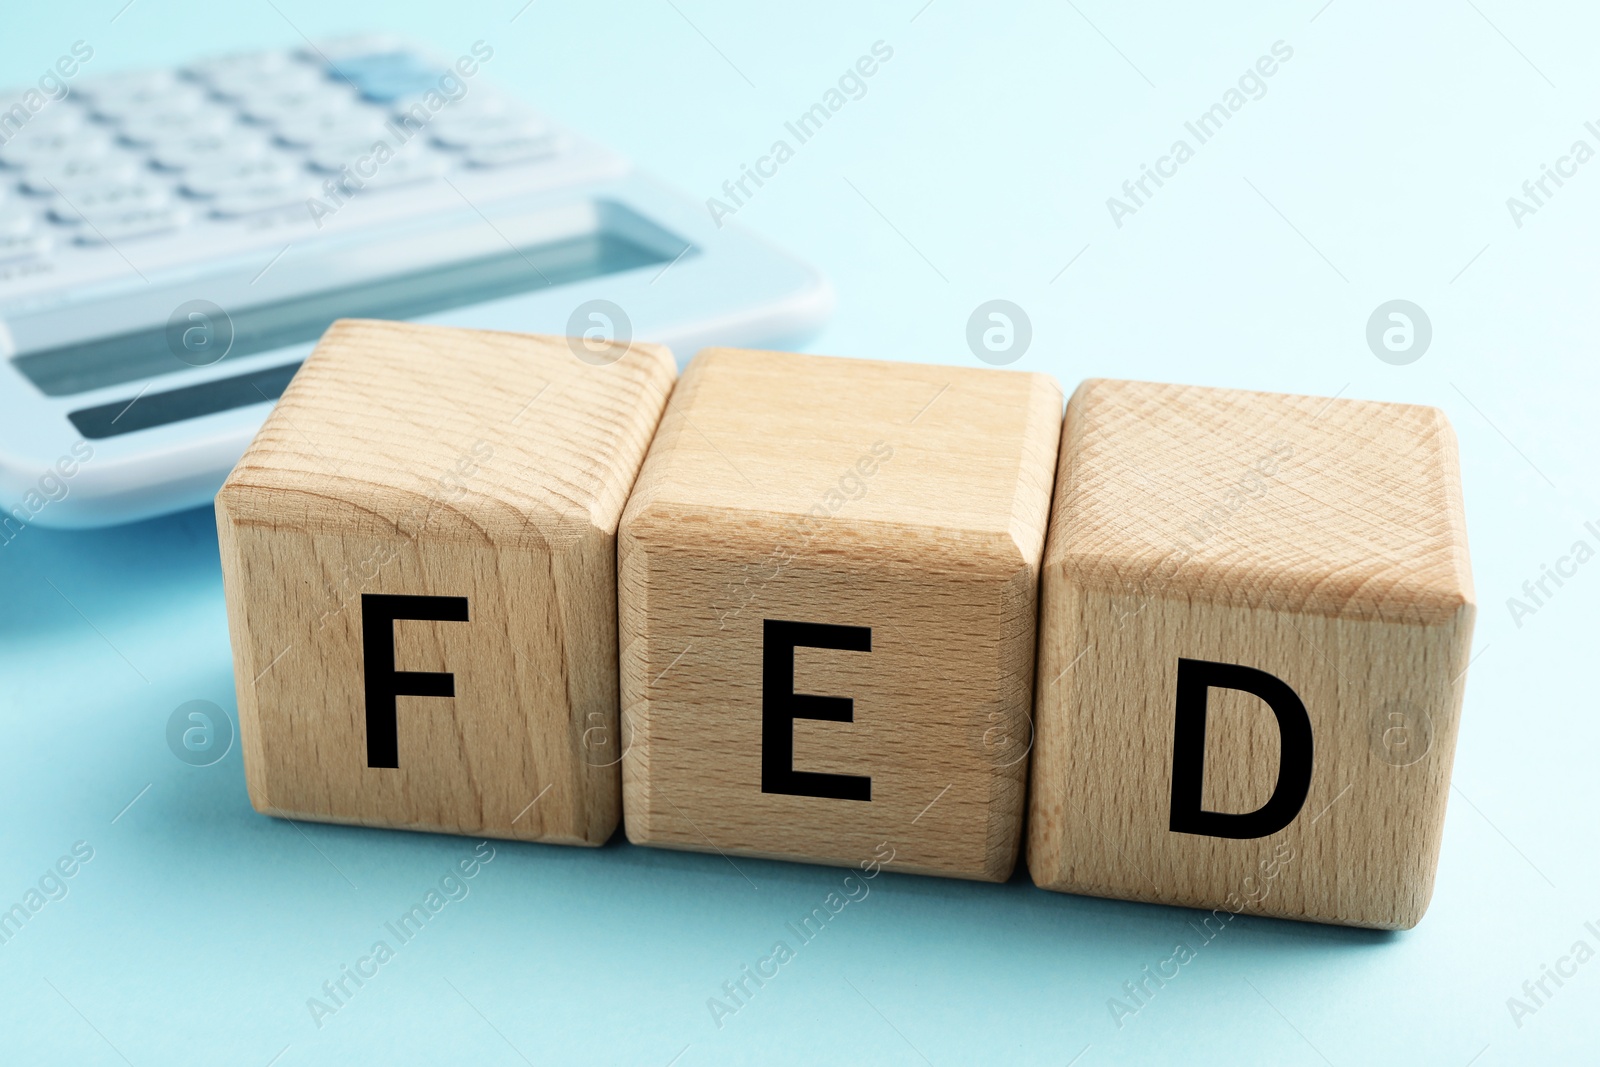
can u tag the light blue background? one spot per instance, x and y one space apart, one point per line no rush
1377 166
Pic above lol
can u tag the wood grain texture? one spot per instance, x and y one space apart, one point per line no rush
407 459
911 500
1321 541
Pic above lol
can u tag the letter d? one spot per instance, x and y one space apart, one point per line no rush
1196 678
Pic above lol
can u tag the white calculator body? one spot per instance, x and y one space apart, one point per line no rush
173 243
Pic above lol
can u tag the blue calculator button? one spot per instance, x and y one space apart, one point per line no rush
383 77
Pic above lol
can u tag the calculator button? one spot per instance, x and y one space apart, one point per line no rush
237 88
110 200
206 149
129 225
33 149
113 168
169 125
385 76
511 151
390 91
59 116
237 75
177 99
476 101
276 108
334 127
219 178
15 246
408 169
331 158
266 197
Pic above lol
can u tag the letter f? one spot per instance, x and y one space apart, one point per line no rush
383 683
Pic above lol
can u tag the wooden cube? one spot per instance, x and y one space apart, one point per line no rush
827 593
419 552
1255 626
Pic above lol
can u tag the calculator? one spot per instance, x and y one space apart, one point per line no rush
173 242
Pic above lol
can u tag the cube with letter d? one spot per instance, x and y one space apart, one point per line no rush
1254 633
419 557
827 581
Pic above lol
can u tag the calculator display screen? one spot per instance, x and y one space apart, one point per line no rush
145 353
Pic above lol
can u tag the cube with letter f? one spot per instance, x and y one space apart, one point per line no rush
418 552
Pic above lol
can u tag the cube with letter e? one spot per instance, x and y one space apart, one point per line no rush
827 582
